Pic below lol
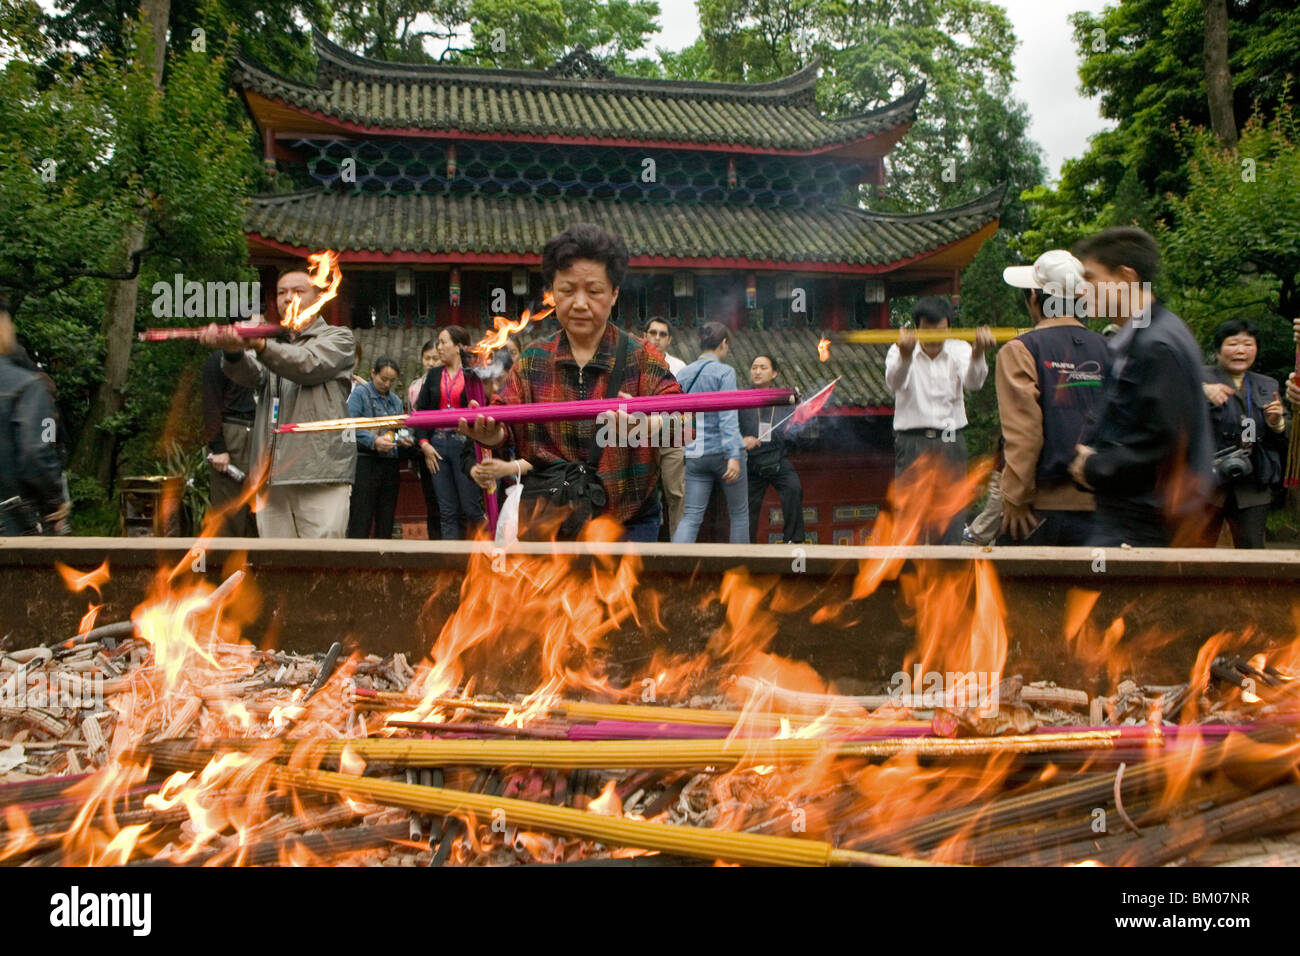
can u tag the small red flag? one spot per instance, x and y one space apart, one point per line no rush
813 404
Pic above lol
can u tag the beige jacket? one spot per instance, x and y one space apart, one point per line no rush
1022 431
311 376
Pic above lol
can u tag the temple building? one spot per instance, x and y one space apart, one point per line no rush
439 186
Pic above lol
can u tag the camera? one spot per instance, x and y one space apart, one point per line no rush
1232 464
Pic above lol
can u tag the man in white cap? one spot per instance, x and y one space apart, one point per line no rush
1049 383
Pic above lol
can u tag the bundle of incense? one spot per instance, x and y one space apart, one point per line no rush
697 842
755 720
564 411
666 754
890 336
243 331
635 730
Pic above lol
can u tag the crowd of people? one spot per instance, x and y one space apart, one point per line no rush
1119 437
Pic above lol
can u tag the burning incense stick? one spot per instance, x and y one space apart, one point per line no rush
761 720
563 411
243 331
671 753
890 336
696 842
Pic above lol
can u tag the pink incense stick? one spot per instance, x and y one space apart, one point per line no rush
566 411
243 331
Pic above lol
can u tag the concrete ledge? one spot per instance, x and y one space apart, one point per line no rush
397 595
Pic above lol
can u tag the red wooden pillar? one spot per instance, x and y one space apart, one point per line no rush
455 295
838 313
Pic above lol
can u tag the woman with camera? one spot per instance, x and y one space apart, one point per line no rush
1249 423
374 489
767 461
447 454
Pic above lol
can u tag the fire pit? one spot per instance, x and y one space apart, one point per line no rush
267 702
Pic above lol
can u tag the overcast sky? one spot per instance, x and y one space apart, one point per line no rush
1061 120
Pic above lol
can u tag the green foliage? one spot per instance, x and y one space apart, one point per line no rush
1232 244
1144 58
192 466
181 158
274 32
871 52
93 513
515 34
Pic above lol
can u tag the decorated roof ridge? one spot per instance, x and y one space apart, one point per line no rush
905 104
794 89
988 203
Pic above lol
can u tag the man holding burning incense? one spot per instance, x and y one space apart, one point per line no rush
308 478
573 476
930 406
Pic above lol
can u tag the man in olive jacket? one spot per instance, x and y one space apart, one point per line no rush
308 483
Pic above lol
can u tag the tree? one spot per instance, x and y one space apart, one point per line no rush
1147 60
517 34
146 180
1218 79
1232 247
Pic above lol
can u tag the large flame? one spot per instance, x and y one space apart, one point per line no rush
323 270
503 327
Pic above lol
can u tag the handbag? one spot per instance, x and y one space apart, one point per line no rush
573 488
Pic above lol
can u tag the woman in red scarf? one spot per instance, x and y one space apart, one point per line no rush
455 385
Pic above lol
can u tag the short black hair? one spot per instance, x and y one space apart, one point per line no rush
300 266
384 362
585 240
932 308
661 320
1122 246
4 304
713 334
776 367
1057 306
430 344
1235 327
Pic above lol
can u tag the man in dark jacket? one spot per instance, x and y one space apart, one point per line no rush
228 413
1148 457
31 476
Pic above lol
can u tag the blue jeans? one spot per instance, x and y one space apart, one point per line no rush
644 526
459 499
702 474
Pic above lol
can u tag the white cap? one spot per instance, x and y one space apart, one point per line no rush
1056 271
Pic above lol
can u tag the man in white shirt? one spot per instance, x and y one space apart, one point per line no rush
672 461
930 409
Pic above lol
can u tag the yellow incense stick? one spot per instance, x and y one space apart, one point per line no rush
765 720
752 848
890 336
664 754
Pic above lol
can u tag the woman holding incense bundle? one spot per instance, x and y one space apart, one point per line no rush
575 476
460 503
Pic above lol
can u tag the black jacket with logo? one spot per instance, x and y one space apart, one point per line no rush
1154 453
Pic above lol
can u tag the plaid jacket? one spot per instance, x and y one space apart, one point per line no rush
547 372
